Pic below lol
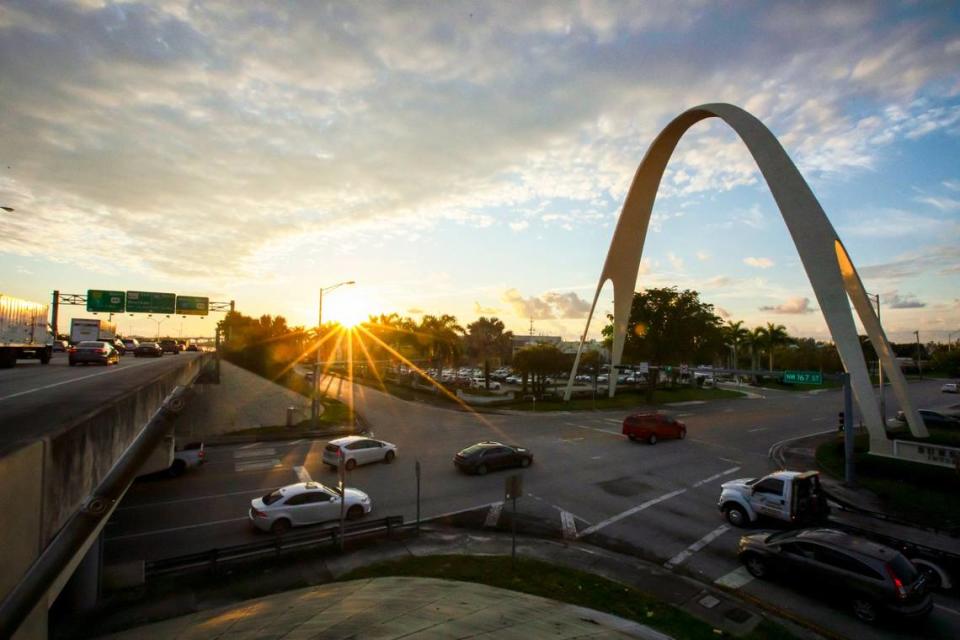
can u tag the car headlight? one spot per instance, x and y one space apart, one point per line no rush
365 499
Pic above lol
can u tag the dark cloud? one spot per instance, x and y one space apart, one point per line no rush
906 301
793 306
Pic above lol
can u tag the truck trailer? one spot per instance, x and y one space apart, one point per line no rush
82 329
24 331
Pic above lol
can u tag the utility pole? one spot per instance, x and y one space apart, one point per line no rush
55 312
315 402
919 363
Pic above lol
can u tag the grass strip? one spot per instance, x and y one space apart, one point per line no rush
565 585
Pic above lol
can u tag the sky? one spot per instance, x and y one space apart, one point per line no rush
472 158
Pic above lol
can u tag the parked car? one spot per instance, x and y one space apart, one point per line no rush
148 350
61 346
305 503
651 427
873 578
479 383
95 352
358 450
193 347
949 387
188 456
488 456
934 419
130 344
170 346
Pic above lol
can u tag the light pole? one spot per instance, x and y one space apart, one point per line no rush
883 396
159 322
315 403
919 365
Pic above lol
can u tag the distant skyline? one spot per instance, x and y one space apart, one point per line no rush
472 158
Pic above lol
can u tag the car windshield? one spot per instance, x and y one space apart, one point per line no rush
91 343
473 449
273 496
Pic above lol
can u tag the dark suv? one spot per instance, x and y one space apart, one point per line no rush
170 346
871 577
488 456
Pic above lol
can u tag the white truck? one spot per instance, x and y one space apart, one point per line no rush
91 329
24 331
797 498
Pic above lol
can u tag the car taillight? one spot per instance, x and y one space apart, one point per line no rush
897 584
72 350
257 513
202 455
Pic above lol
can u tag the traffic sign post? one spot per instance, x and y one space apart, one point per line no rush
106 301
512 490
341 486
193 305
418 496
802 377
151 302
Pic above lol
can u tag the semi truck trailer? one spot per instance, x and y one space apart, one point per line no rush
91 329
24 331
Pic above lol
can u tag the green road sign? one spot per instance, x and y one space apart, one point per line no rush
193 305
151 302
802 377
106 301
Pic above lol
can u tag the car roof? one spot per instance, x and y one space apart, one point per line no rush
794 475
348 440
302 487
848 542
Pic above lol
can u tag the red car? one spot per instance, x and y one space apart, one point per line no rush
653 426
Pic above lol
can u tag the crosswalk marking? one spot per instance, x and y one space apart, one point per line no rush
716 476
493 516
302 474
629 512
685 555
569 525
255 453
735 579
256 465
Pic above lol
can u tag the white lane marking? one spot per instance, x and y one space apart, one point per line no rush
163 503
716 476
256 465
684 415
786 440
250 446
302 474
756 430
629 512
71 380
820 419
255 453
609 433
729 460
685 555
295 442
613 421
493 516
171 529
735 579
688 403
569 525
947 609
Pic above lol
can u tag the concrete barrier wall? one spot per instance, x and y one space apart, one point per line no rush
80 454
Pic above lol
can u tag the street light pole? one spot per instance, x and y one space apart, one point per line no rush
919 365
315 403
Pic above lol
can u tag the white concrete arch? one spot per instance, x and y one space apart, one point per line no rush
824 258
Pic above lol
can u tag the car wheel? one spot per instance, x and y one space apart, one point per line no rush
280 526
931 577
683 433
482 470
865 609
736 515
756 565
525 462
652 439
355 512
351 464
389 457
177 468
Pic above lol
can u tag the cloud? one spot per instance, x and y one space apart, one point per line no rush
484 311
549 306
896 301
718 282
703 256
793 306
415 311
938 259
941 203
953 185
759 263
675 261
519 226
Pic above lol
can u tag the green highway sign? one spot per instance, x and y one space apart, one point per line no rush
802 377
193 305
106 301
151 302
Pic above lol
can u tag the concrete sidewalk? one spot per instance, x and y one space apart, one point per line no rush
242 400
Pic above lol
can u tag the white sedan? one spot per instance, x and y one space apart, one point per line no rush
950 387
305 503
358 450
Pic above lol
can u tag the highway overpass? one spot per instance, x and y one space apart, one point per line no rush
64 429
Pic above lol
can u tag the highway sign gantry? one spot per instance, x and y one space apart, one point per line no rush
151 302
193 305
106 301
802 377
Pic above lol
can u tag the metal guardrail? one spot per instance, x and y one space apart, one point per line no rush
272 546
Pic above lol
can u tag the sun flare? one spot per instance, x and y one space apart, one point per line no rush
348 306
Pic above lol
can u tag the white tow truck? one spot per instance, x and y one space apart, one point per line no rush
797 498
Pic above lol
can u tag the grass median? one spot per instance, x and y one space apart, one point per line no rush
565 585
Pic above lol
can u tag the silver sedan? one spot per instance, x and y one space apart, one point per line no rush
305 503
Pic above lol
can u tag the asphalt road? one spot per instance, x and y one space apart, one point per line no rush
36 400
657 501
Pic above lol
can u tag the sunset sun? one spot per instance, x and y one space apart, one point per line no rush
348 306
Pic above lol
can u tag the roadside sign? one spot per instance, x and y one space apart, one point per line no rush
644 368
193 306
106 301
513 488
151 302
802 377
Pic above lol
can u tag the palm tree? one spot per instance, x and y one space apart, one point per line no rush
440 339
735 334
771 337
487 339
